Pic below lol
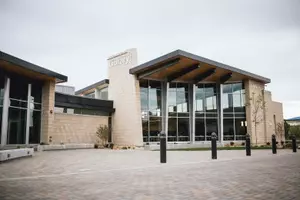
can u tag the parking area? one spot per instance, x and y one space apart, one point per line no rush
128 174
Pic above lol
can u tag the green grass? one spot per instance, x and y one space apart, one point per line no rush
219 148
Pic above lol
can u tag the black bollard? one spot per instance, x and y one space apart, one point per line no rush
274 147
248 145
163 148
294 144
214 145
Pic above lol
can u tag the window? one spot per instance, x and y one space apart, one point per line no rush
150 95
234 115
178 108
206 111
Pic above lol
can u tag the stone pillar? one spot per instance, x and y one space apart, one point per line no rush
48 98
124 90
252 91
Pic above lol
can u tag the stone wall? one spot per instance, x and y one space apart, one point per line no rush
253 90
47 118
72 128
267 118
124 90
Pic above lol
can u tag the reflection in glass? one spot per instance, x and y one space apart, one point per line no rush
183 129
199 129
211 126
155 128
172 129
234 111
16 126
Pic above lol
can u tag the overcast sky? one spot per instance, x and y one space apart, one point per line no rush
76 37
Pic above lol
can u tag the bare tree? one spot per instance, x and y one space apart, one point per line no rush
258 105
279 130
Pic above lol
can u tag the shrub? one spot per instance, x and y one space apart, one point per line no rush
231 143
243 144
282 143
96 146
102 134
268 143
124 147
111 145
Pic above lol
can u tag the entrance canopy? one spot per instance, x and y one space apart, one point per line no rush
182 66
15 65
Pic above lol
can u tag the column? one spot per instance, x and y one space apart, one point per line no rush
48 98
165 113
28 114
220 112
192 111
5 112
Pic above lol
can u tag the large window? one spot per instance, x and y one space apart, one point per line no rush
2 78
206 121
234 116
178 108
150 94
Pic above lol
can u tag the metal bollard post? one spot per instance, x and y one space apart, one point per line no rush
163 148
248 145
214 145
274 147
294 144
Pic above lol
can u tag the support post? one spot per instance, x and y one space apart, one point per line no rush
28 115
274 147
214 145
294 144
163 148
248 145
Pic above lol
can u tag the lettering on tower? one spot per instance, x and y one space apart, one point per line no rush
124 58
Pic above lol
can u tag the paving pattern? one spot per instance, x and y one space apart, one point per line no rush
135 175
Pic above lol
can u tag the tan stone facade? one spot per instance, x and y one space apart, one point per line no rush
47 119
72 128
124 90
268 116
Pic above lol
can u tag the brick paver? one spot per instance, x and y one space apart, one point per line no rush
103 174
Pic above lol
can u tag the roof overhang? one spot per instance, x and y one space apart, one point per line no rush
182 66
91 88
19 66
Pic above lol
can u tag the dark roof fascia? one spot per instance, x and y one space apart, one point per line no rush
105 81
27 65
73 101
177 53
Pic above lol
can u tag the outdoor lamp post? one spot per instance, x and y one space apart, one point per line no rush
214 145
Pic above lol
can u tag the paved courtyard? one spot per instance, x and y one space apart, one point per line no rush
134 175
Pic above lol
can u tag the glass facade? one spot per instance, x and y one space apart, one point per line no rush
208 103
178 112
1 99
17 117
234 113
151 99
206 108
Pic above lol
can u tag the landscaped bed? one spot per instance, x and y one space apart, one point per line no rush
219 148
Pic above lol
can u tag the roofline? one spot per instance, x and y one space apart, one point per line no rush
178 53
27 65
102 82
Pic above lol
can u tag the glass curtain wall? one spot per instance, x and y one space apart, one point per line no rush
206 108
151 98
17 110
2 78
35 113
178 109
234 113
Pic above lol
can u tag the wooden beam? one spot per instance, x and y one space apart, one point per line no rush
204 75
225 78
158 68
182 72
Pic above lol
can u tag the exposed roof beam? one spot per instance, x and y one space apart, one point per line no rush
225 78
204 75
182 72
158 68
